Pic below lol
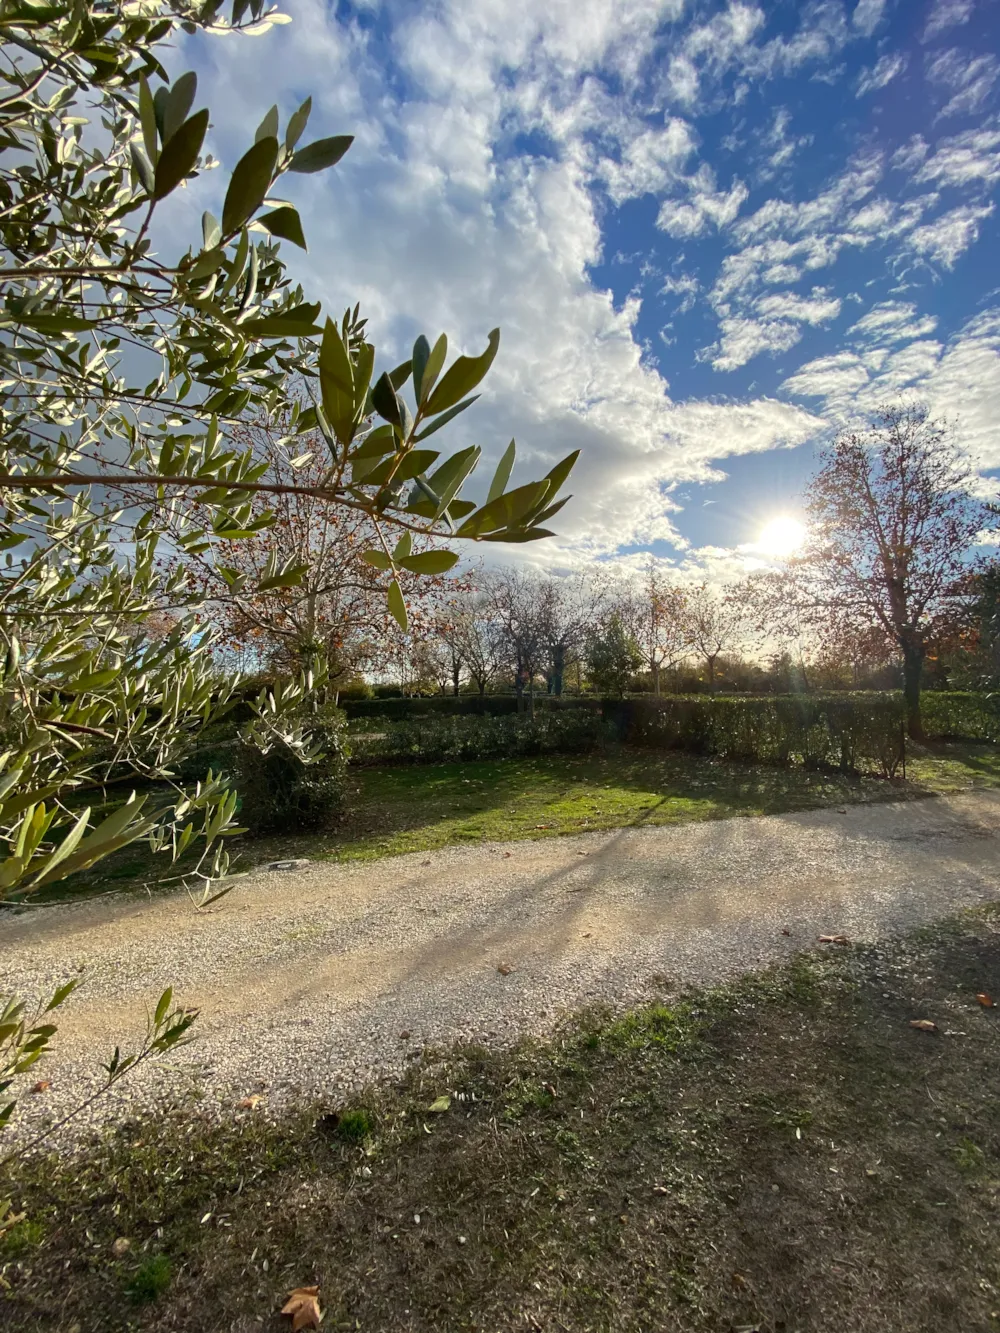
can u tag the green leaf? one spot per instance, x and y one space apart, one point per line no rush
421 355
376 445
505 511
288 578
385 401
502 474
409 466
462 377
444 418
250 182
178 103
518 535
440 1105
57 322
285 222
297 322
210 230
400 374
433 368
268 127
147 119
377 559
163 1006
180 153
397 607
561 471
321 153
297 123
142 168
59 995
429 562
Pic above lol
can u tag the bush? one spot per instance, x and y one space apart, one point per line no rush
461 705
439 740
281 793
960 715
848 732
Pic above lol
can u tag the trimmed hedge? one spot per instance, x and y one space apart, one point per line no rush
852 733
432 740
960 715
458 705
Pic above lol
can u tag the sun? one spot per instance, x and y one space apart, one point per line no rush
781 536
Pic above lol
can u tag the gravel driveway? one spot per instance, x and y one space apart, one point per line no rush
311 980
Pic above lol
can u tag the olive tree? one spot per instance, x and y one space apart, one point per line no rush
125 372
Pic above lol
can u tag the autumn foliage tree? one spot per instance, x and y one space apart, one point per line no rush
891 522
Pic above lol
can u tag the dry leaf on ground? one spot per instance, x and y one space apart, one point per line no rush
924 1024
248 1103
505 969
42 1085
303 1306
833 939
987 1001
785 931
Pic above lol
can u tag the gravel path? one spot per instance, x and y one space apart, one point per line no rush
310 981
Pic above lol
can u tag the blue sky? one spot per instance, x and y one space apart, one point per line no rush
711 233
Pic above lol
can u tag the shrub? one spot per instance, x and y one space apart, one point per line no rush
849 732
283 793
450 705
960 715
355 1126
438 740
150 1280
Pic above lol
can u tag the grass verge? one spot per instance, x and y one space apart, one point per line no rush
786 1153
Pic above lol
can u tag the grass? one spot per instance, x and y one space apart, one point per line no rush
419 808
786 1153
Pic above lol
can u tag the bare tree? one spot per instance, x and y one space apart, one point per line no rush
479 639
521 617
653 609
891 524
714 623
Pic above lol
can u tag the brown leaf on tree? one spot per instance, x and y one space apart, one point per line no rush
505 969
924 1024
833 939
987 1001
42 1085
303 1307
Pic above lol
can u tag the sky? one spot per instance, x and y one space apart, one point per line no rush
710 233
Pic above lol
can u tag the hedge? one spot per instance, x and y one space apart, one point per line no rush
459 705
431 740
850 732
960 715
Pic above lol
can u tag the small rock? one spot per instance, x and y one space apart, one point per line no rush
120 1246
505 969
404 1035
461 1240
295 864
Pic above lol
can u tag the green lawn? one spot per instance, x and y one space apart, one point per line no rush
420 807
786 1154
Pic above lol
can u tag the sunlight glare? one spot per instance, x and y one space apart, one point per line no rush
782 536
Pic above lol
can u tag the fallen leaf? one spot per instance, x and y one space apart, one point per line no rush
303 1306
505 969
42 1085
833 939
508 853
543 826
550 1089
985 1000
786 931
248 1103
739 1281
924 1024
440 1104
404 1035
841 810
660 1189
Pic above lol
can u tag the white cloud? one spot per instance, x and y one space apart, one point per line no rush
885 69
948 236
706 205
911 154
868 15
947 14
686 286
819 308
892 321
650 160
969 79
973 156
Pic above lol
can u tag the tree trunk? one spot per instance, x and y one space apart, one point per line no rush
711 676
656 679
913 667
456 672
558 669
